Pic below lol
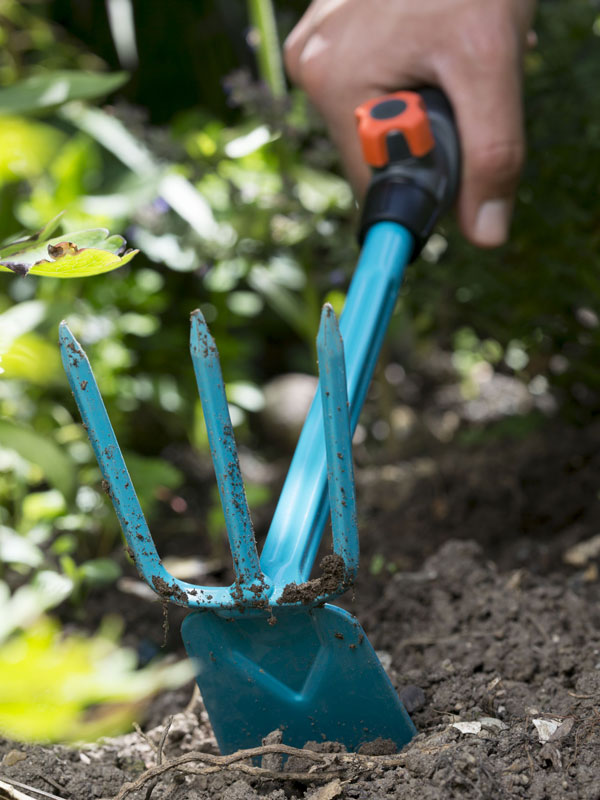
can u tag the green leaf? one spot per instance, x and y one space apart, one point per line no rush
27 148
176 190
287 304
18 320
40 506
148 475
84 264
16 549
33 359
61 687
246 304
13 245
100 571
336 299
41 450
46 590
71 255
246 395
321 191
52 88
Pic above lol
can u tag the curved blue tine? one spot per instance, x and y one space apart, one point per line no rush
224 454
295 533
338 440
122 493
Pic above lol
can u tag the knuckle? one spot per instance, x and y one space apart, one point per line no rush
308 65
314 72
490 40
291 57
490 49
500 161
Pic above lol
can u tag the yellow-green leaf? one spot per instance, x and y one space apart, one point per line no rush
49 683
71 255
32 358
26 148
82 264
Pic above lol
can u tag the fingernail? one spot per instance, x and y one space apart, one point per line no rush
491 225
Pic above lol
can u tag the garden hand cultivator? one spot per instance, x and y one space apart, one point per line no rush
270 650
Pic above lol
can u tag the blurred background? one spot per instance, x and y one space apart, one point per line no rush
218 171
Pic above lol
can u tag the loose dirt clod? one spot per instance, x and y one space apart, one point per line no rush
332 575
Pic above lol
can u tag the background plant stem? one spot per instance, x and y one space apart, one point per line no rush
268 51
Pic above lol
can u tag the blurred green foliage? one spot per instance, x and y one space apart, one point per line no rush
234 198
72 688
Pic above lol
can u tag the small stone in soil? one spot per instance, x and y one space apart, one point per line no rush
272 761
378 747
412 697
13 757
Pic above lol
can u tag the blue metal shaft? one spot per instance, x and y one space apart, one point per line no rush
224 453
297 527
338 439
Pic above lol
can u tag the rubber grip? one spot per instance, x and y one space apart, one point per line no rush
411 141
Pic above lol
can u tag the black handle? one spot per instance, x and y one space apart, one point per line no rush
410 140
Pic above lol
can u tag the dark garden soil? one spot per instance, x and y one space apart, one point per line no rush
479 589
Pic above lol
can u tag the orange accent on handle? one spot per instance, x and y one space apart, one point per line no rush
412 122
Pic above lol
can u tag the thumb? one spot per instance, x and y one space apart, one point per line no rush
488 107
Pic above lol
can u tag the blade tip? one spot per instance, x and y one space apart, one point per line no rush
328 327
65 335
197 318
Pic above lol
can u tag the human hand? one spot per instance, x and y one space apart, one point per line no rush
344 52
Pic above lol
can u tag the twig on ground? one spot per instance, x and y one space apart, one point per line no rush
159 754
193 700
163 739
145 737
54 784
8 789
332 763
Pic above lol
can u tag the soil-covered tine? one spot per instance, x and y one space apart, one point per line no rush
116 477
224 453
338 440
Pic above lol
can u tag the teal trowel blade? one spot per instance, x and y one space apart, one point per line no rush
311 672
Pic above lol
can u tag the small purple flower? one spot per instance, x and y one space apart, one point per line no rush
160 206
337 277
